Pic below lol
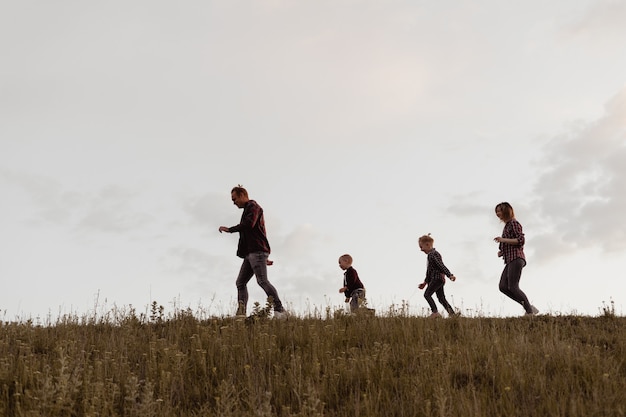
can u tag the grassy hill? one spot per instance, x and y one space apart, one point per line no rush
124 365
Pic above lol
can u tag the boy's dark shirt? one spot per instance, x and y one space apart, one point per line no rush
251 228
436 268
351 281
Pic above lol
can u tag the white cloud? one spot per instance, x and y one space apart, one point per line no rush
603 18
209 211
194 262
112 209
358 125
580 193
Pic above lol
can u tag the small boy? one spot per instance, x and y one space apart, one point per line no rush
352 286
436 273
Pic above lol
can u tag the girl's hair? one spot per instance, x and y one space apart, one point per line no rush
346 258
240 191
507 211
426 239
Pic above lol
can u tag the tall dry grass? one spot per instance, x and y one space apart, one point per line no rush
336 365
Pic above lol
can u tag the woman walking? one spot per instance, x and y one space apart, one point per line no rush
511 249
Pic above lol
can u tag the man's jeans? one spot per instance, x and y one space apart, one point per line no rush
255 264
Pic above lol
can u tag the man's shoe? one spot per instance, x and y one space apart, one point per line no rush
281 315
434 315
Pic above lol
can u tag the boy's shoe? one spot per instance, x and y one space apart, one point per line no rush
453 313
434 315
281 315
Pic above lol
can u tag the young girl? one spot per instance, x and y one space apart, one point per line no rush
511 249
436 272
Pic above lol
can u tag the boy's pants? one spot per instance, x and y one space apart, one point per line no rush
356 298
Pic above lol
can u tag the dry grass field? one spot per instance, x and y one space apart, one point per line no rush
122 364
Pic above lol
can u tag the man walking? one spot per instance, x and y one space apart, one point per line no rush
254 248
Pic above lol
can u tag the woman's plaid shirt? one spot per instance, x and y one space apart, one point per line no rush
513 230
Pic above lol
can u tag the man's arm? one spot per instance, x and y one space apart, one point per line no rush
251 214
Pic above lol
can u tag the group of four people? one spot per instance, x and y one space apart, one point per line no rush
254 249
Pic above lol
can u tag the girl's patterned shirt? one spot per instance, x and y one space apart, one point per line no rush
435 268
513 230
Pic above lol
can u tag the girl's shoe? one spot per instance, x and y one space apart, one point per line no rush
453 313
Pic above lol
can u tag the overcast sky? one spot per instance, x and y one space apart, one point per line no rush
357 125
